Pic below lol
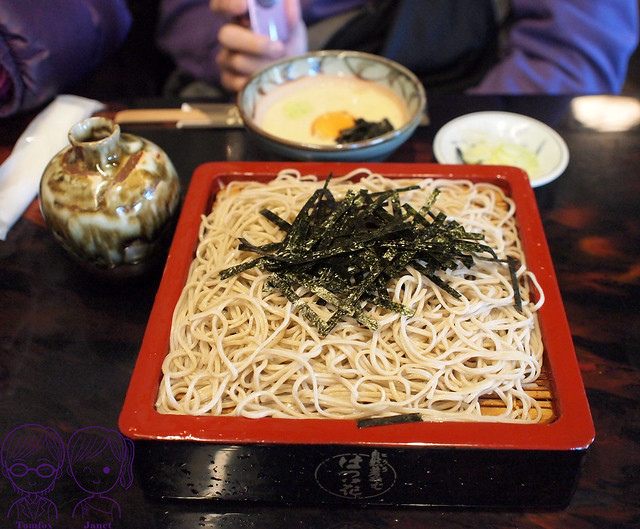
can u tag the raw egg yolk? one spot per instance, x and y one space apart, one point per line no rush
330 124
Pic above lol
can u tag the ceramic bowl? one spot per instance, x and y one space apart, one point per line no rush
505 138
346 64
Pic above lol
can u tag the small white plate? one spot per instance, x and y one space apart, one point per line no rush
494 129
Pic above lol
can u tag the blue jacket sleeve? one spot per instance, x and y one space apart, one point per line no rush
46 47
565 46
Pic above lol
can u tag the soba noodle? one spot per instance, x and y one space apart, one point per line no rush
238 349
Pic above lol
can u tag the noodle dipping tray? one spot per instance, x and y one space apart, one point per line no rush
325 461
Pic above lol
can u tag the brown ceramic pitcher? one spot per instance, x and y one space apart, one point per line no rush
109 197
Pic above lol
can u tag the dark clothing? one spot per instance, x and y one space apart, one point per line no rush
46 47
545 46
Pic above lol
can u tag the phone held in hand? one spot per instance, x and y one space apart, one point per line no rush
268 18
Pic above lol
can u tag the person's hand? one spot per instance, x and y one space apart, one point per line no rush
243 52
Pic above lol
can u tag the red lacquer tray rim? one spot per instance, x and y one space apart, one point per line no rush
572 429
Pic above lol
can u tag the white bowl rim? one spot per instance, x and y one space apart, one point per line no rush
410 125
489 115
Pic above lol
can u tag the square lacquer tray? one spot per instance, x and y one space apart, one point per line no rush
335 461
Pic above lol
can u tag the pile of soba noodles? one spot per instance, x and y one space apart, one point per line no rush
239 349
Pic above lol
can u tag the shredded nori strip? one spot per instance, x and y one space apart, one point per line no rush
342 254
387 421
513 268
364 130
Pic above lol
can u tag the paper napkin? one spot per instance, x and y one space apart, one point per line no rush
45 136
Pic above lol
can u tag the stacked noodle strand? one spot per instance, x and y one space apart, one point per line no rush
237 349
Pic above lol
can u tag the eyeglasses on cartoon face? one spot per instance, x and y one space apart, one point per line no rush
44 470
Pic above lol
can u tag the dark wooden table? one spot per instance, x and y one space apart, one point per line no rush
68 343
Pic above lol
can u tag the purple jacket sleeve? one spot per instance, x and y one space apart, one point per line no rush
553 46
188 32
45 47
566 46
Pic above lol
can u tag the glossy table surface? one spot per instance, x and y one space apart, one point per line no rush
68 343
